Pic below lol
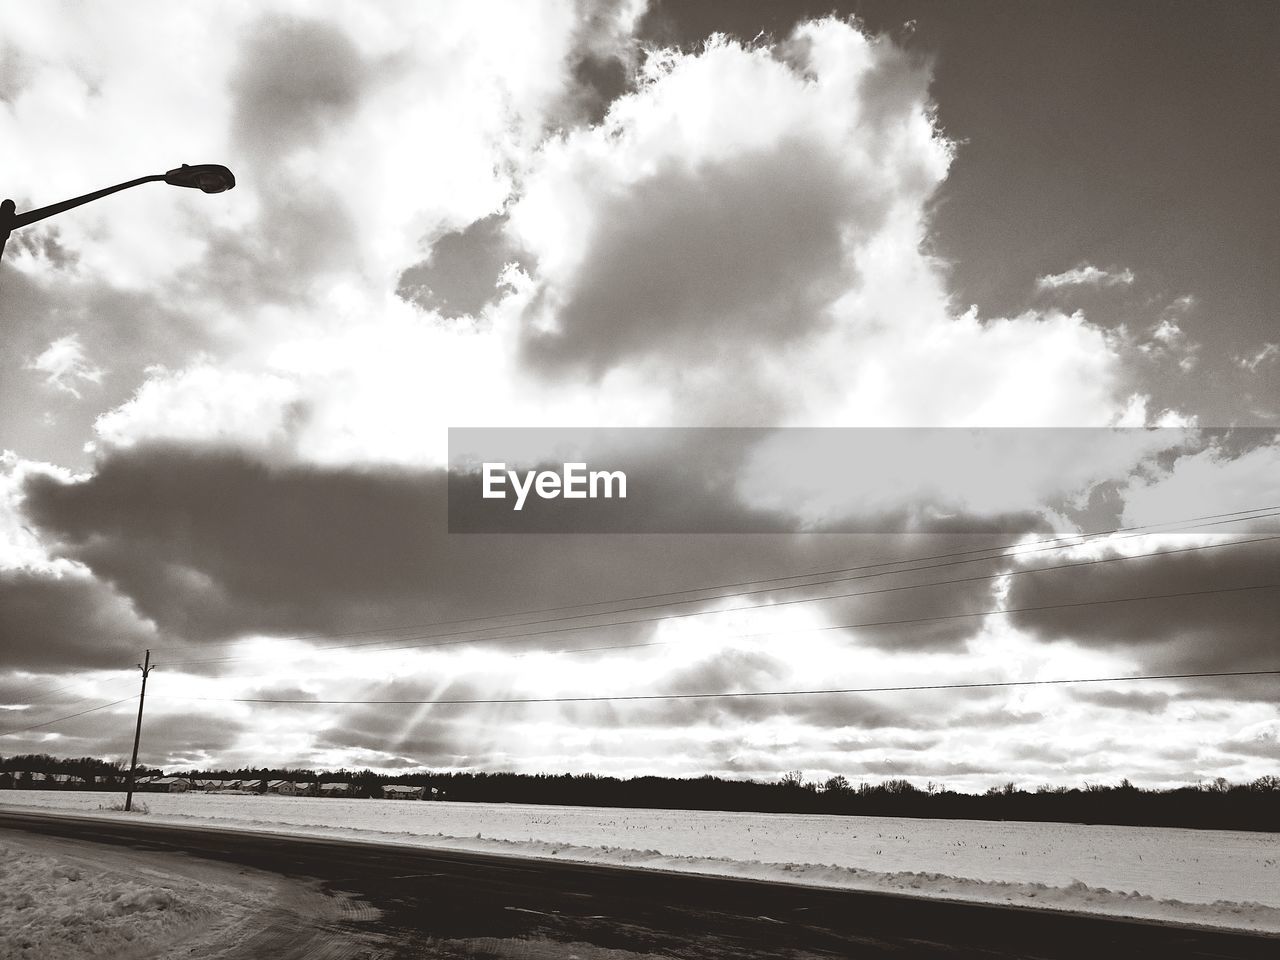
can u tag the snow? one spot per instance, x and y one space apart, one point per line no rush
76 901
1220 878
59 904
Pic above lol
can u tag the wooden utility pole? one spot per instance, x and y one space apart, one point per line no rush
145 667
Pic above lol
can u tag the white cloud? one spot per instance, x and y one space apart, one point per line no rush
1210 481
1086 275
65 366
21 547
1166 340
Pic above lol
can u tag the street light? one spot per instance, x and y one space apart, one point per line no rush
206 177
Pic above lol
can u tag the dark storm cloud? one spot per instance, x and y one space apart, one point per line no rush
69 621
1222 632
461 275
209 544
750 249
215 543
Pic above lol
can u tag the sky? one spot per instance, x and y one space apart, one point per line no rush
224 419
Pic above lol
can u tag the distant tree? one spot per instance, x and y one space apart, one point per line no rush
366 783
898 787
836 784
793 779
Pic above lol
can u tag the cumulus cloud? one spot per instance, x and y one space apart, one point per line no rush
1233 471
69 621
1233 630
1086 275
297 548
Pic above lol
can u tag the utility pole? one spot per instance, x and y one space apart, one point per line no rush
8 210
145 667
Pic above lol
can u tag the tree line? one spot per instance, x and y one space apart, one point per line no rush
1218 804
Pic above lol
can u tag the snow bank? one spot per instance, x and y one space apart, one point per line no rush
51 906
1219 878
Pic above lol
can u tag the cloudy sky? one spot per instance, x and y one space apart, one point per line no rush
225 418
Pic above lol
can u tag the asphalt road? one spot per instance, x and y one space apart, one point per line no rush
449 904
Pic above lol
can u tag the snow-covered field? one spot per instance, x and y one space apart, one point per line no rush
1191 876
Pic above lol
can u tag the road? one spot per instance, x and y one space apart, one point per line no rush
425 903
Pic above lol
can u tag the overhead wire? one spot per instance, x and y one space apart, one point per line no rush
401 642
71 716
996 552
723 695
447 640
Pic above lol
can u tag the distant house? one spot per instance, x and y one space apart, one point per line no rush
253 786
335 789
171 784
402 791
283 787
304 788
7 780
207 784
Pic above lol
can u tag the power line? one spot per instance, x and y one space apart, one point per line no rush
465 636
515 638
994 553
935 619
71 716
839 626
737 694
99 689
882 590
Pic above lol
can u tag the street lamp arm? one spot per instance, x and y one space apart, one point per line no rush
205 177
31 216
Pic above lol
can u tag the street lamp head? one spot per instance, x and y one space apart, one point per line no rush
209 177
